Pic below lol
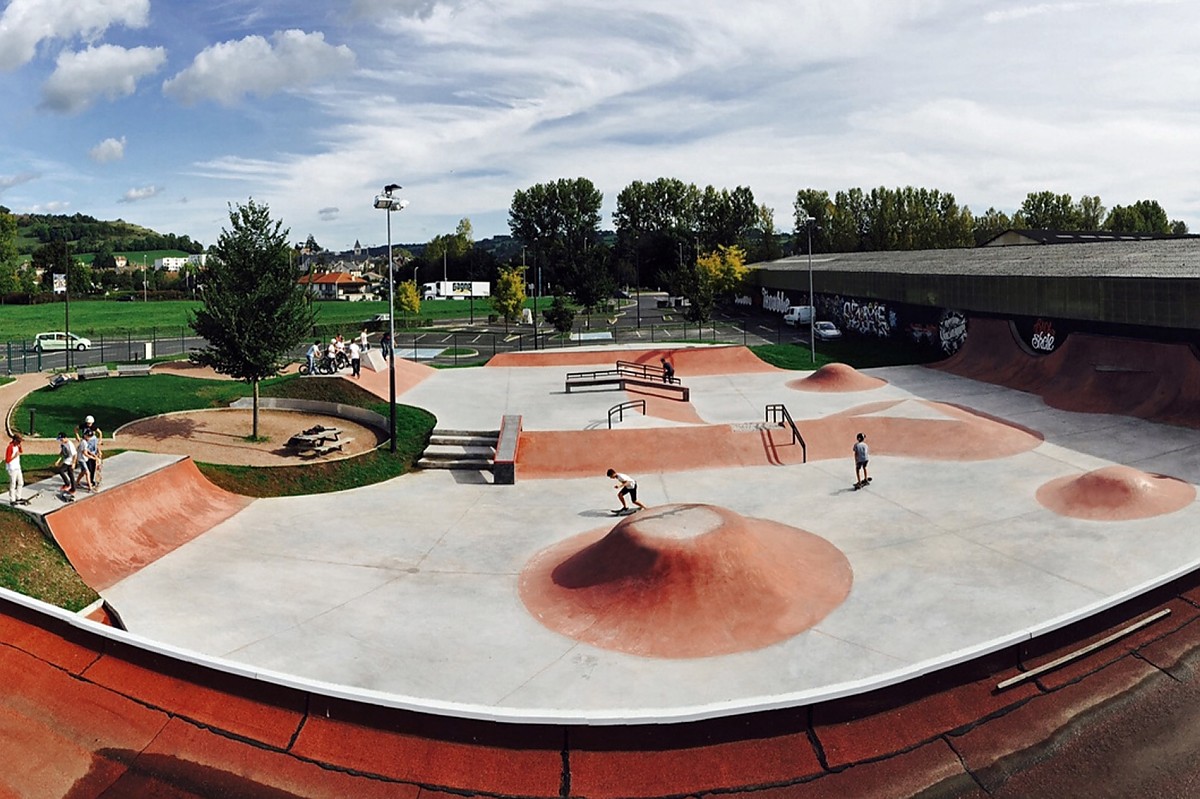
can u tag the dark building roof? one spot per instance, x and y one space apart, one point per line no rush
1013 236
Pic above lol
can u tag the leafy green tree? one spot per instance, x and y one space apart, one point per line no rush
9 275
56 258
815 204
1089 212
724 218
559 221
991 224
768 242
656 223
1144 216
255 311
509 297
560 316
1179 227
1045 210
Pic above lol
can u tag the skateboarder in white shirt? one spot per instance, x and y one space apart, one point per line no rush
626 486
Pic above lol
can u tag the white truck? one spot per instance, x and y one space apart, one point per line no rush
798 315
455 289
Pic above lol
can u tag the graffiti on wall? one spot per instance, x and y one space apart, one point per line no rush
744 299
952 330
777 302
865 317
1042 339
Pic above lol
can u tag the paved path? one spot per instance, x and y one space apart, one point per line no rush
410 588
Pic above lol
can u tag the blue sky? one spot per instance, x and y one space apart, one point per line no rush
162 113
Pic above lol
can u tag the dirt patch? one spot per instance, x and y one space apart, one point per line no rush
220 436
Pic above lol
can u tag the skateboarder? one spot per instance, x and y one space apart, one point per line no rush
668 371
65 466
626 486
89 459
12 463
861 456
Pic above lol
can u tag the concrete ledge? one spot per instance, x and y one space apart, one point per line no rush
504 465
351 412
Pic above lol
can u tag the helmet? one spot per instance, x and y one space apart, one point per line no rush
89 420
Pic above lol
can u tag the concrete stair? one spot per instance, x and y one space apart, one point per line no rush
460 449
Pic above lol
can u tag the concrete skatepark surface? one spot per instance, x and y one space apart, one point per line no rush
409 590
941 541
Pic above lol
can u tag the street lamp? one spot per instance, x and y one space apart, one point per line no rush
386 202
812 303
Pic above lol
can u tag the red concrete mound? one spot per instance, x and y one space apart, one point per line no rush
1088 373
953 434
681 581
687 361
836 377
1116 493
114 533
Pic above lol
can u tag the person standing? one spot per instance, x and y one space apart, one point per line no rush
363 343
65 465
626 487
861 455
12 463
89 459
355 359
313 353
385 346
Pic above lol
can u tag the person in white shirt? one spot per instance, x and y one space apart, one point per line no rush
626 487
12 463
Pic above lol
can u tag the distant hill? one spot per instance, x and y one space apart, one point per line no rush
87 234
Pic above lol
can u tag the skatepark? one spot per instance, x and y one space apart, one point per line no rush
1011 499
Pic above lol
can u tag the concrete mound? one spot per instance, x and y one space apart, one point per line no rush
836 377
683 581
1116 493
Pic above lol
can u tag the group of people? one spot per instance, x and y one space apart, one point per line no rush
338 350
79 460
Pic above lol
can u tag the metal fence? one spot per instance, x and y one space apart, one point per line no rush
19 357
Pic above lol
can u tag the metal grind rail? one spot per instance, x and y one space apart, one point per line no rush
777 413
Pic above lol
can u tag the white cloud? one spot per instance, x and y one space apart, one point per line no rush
104 71
27 23
228 71
9 181
137 195
108 151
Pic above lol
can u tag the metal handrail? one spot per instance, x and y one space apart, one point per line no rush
773 414
647 371
624 406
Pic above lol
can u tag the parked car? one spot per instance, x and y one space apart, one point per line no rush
798 315
44 342
826 331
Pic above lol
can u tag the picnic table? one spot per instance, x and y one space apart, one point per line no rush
321 440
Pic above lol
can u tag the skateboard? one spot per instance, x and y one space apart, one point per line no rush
65 497
862 484
28 499
623 511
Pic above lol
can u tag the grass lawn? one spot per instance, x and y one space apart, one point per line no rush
95 318
859 352
32 565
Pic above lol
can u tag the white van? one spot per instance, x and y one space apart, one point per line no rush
798 315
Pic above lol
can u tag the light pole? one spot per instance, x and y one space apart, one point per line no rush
812 303
386 202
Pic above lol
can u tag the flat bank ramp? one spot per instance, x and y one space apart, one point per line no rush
112 534
1088 373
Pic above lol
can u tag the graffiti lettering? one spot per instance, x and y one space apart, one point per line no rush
1043 336
777 302
952 331
744 300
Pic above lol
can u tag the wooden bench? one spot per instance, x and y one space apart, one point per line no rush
133 369
91 372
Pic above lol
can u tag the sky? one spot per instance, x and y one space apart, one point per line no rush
165 112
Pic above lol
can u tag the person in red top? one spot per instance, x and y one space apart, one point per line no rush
12 462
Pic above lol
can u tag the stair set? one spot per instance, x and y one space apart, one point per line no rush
460 449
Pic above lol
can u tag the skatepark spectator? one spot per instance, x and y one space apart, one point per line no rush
313 353
89 458
861 456
65 465
626 486
363 344
12 464
355 359
385 346
668 371
89 423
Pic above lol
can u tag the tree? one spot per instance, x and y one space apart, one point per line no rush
991 224
559 221
1144 216
408 297
255 311
9 276
768 246
509 297
1089 212
1045 210
815 204
655 223
560 316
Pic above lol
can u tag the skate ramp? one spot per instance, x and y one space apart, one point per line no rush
837 378
109 535
687 361
408 374
1088 373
